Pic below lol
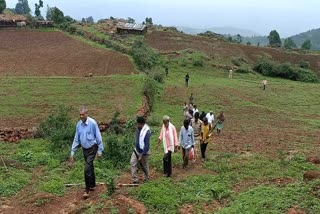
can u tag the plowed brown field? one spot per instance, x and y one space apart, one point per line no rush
31 53
167 42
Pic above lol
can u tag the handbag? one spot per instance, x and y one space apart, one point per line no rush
191 154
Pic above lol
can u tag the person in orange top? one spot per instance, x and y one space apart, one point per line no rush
168 135
205 134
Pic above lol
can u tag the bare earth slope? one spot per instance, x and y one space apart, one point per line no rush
31 53
167 42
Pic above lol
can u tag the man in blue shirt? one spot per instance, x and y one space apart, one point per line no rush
88 137
186 141
141 151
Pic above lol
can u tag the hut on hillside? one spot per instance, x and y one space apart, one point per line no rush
128 28
12 20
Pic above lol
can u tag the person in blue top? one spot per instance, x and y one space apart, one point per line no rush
140 155
186 141
88 137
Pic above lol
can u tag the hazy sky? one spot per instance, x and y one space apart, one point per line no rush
288 17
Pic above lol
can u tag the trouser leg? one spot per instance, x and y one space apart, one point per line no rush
203 150
134 168
89 175
145 164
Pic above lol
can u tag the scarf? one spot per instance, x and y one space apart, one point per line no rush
170 137
143 133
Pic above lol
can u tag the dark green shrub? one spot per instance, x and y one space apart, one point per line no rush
149 89
144 57
114 124
157 76
244 70
285 70
119 149
154 121
304 64
198 59
58 127
238 61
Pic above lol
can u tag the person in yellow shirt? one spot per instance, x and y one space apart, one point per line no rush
205 134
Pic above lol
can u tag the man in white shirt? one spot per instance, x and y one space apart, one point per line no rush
195 109
210 117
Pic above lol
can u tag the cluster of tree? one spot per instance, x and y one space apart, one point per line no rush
312 35
88 20
37 11
3 5
148 21
273 40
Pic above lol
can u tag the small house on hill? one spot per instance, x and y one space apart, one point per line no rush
12 20
128 28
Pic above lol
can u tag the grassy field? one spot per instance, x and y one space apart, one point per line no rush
257 164
31 98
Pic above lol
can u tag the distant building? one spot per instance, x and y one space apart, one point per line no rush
12 20
128 28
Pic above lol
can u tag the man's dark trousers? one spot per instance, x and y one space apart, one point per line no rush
167 165
89 176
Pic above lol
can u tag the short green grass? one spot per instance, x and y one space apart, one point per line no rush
35 97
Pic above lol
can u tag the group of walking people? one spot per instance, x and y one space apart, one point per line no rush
194 133
193 137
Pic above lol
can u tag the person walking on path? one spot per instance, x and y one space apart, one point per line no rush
210 117
88 137
202 115
187 79
140 154
205 134
191 100
168 135
220 121
196 125
264 84
186 141
185 109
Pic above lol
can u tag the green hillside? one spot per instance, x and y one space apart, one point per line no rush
312 35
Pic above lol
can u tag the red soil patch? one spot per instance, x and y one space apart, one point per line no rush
170 42
31 53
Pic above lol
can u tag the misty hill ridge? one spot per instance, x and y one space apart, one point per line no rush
313 35
219 30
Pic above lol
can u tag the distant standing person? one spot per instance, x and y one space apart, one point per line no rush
140 154
205 131
88 137
187 79
230 73
191 99
168 135
220 121
167 71
264 84
186 141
